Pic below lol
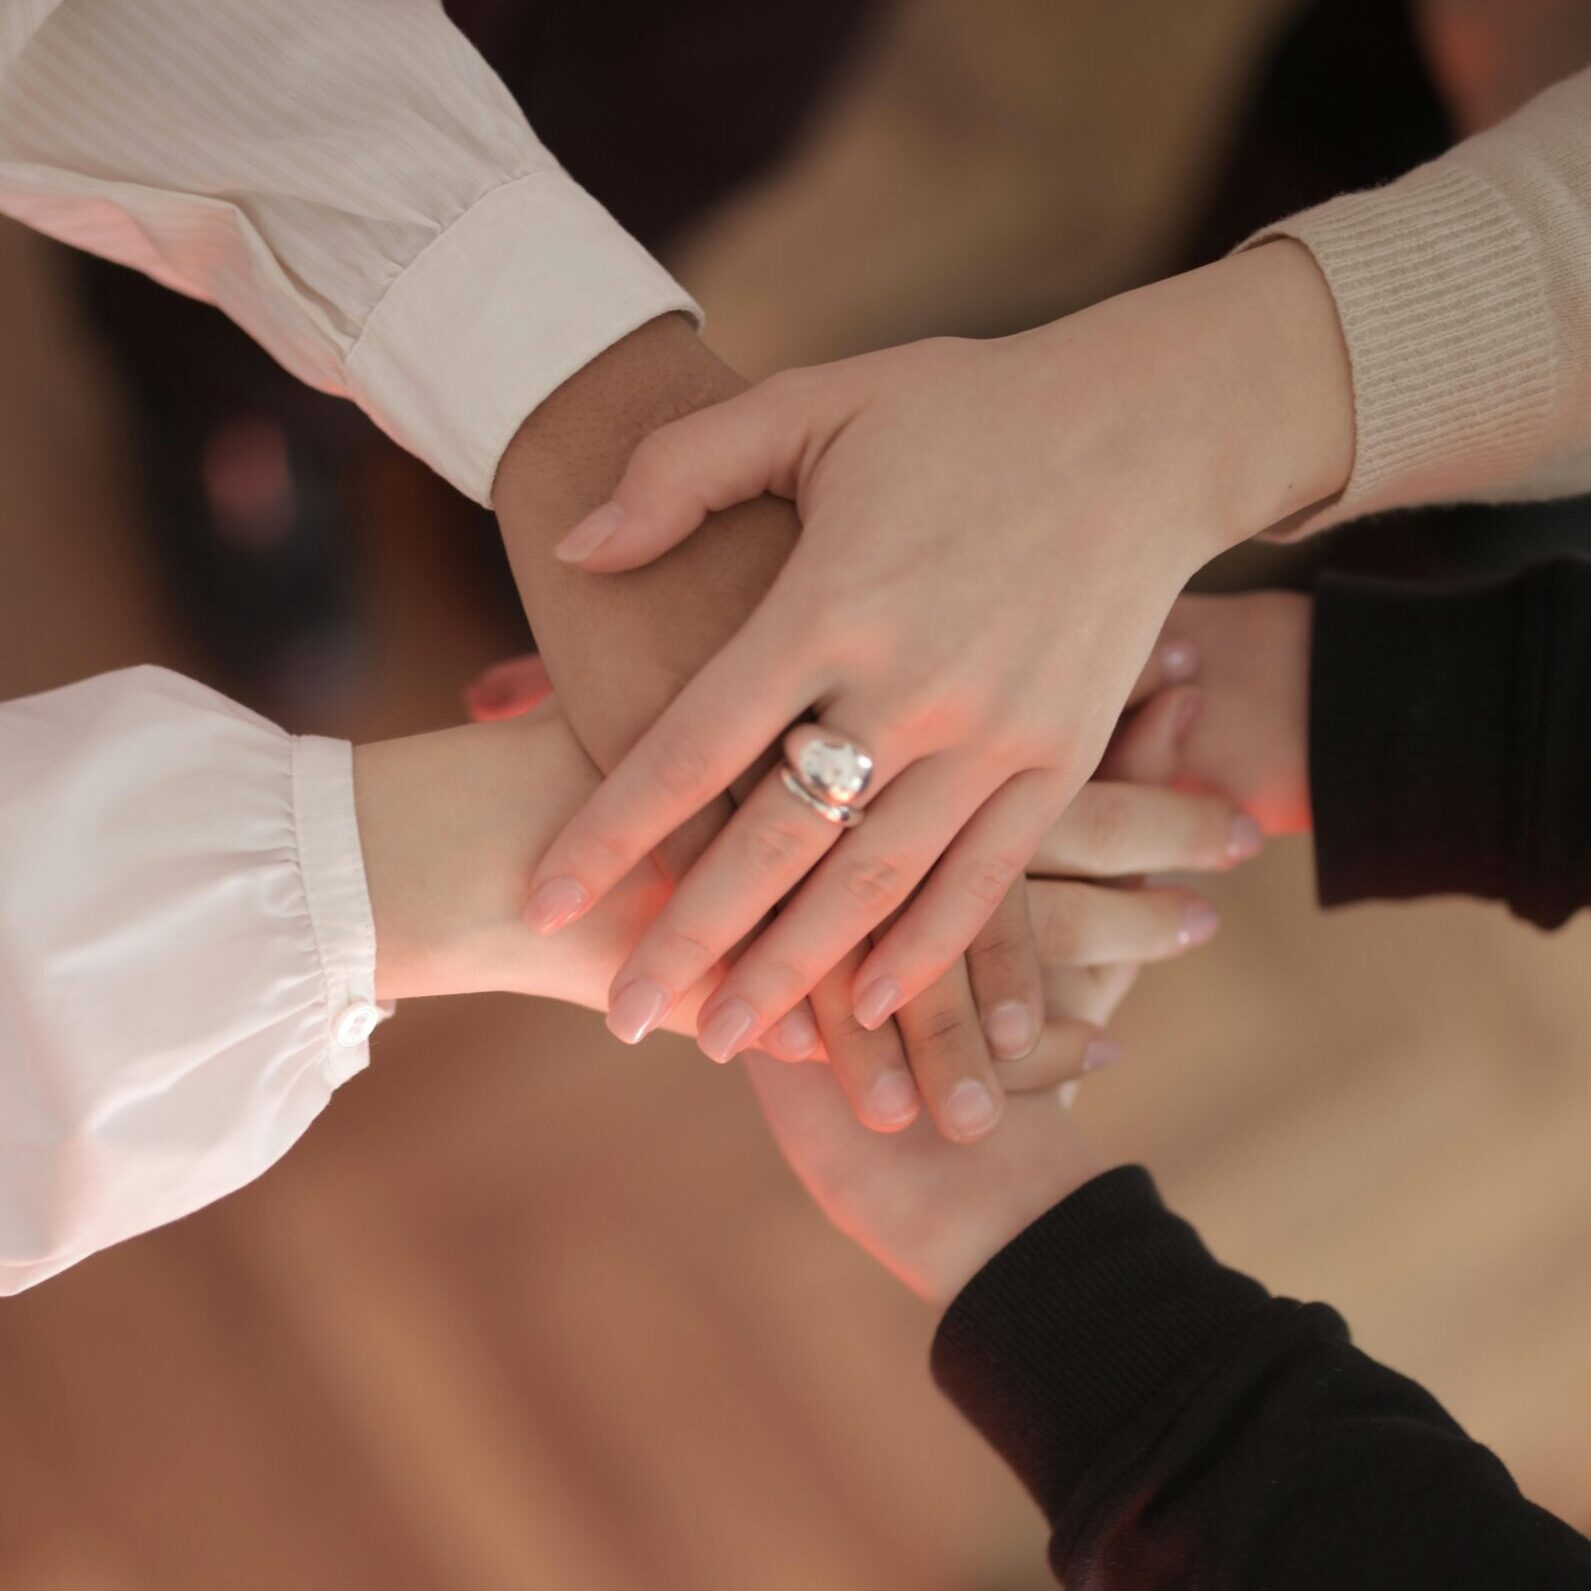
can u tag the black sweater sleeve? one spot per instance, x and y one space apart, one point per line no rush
1450 740
1183 1429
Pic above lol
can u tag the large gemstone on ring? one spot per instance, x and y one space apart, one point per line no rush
836 769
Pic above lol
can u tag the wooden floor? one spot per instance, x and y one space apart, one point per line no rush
527 1310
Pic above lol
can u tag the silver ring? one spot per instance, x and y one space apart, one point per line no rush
829 766
846 817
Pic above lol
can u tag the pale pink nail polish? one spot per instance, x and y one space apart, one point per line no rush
636 1010
1010 1030
596 529
876 1004
1100 1052
892 1101
1179 661
1199 923
726 1031
1247 839
798 1033
558 901
970 1110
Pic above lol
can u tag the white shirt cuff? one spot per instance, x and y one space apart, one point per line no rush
529 285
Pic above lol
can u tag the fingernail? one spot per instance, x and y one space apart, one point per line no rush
1187 711
1199 923
727 1029
636 1010
1010 1030
558 901
1069 1092
970 1111
1246 839
876 1004
797 1033
1179 661
596 528
1100 1052
892 1100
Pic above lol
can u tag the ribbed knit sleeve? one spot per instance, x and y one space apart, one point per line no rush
1464 292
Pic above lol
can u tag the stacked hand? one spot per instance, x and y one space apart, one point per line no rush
993 536
1091 934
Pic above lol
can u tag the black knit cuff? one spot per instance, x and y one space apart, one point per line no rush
1450 740
1074 1327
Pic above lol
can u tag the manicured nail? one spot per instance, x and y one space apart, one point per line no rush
596 528
892 1101
1010 1030
1100 1052
876 1004
558 901
1179 661
1199 923
1069 1092
970 1111
1187 711
726 1031
797 1033
636 1010
1246 839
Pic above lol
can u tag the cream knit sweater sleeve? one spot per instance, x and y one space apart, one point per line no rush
1464 290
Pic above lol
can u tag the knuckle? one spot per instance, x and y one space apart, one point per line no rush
989 878
780 983
773 849
597 853
1058 933
655 463
1105 819
872 883
680 768
683 952
948 1027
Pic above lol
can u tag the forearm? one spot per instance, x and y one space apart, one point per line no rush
1449 733
1179 1426
620 647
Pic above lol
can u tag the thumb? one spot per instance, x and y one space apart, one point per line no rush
686 470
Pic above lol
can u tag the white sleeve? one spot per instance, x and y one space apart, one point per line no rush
347 179
187 957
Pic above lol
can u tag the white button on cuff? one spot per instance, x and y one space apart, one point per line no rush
356 1024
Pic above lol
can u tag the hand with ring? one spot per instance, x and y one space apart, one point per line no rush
993 536
991 1025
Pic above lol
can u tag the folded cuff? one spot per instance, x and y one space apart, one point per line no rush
529 285
1445 312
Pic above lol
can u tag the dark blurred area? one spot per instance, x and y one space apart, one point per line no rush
528 1310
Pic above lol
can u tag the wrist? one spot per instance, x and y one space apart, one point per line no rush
1287 435
449 823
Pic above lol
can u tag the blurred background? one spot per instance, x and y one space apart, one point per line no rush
527 1309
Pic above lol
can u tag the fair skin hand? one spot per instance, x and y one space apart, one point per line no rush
445 820
1249 739
1099 461
620 650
